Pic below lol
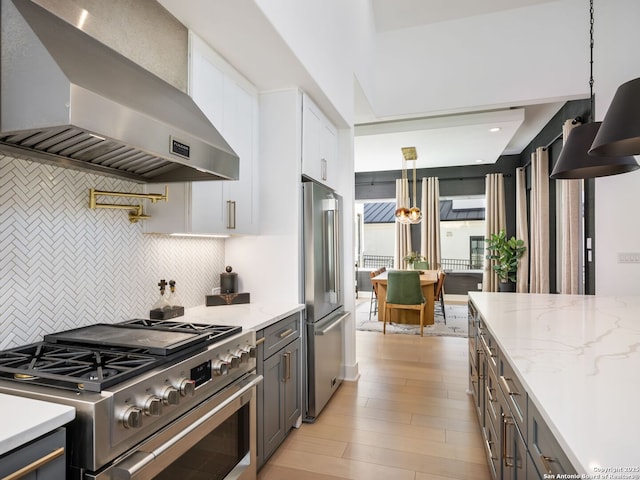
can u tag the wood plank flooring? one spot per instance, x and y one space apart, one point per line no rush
408 417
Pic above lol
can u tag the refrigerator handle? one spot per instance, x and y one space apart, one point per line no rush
333 256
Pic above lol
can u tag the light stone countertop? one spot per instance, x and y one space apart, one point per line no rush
250 316
24 419
579 359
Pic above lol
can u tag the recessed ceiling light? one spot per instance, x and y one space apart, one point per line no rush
479 160
495 129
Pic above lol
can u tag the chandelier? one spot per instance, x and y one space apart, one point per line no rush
408 214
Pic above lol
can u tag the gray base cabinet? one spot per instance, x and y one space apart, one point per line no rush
279 395
518 444
41 459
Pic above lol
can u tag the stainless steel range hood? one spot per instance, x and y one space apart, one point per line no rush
71 100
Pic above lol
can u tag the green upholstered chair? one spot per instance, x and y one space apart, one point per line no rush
405 293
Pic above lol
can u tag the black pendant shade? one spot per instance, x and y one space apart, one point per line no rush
620 131
575 162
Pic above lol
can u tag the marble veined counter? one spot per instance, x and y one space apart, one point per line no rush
25 419
250 316
579 359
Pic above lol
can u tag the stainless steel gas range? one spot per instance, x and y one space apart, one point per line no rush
154 399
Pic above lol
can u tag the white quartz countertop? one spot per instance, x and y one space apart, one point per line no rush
24 419
250 316
579 359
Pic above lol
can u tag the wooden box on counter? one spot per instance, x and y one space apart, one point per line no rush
227 299
166 313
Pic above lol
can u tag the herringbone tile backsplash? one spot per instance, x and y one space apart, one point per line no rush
63 265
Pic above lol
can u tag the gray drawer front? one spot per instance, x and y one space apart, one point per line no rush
515 394
545 450
490 347
280 334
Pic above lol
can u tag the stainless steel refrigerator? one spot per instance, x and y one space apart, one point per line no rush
325 315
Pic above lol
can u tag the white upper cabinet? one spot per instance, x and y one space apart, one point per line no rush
319 145
217 207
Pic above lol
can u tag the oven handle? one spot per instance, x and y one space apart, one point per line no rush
145 458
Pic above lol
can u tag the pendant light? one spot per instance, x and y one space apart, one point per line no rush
620 130
575 160
408 214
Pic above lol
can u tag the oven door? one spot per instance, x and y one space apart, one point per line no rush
215 440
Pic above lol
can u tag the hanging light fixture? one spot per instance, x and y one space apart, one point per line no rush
620 130
576 161
409 214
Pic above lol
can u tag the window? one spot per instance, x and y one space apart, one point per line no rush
476 252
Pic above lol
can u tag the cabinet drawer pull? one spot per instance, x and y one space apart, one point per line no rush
231 214
491 399
505 382
32 467
286 333
260 341
488 444
545 463
505 453
288 360
487 347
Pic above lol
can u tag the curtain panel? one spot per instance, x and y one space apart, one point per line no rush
522 230
495 221
402 231
570 228
539 255
430 226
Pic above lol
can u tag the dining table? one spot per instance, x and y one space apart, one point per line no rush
428 279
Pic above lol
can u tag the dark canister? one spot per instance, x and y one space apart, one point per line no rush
228 281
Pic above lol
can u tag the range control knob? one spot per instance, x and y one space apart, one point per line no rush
242 354
152 407
132 418
219 368
187 387
170 396
251 349
232 360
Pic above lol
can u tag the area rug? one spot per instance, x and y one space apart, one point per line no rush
456 322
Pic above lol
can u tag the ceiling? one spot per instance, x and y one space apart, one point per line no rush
442 141
461 139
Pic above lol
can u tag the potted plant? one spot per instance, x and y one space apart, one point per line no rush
415 260
507 253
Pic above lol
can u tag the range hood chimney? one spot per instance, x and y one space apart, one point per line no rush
70 100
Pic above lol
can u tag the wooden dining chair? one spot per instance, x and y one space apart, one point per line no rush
373 304
404 293
438 295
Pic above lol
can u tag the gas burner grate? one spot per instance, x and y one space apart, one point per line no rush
73 367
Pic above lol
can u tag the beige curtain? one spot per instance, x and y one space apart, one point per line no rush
522 230
430 227
539 251
494 222
569 228
403 234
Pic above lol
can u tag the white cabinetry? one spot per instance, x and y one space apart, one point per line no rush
319 145
216 207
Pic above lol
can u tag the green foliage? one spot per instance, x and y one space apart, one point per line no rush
507 253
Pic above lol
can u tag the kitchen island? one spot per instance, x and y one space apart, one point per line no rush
577 358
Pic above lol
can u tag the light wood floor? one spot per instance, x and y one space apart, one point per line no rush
407 417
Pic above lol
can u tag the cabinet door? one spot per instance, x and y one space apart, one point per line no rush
240 208
273 421
319 145
292 396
